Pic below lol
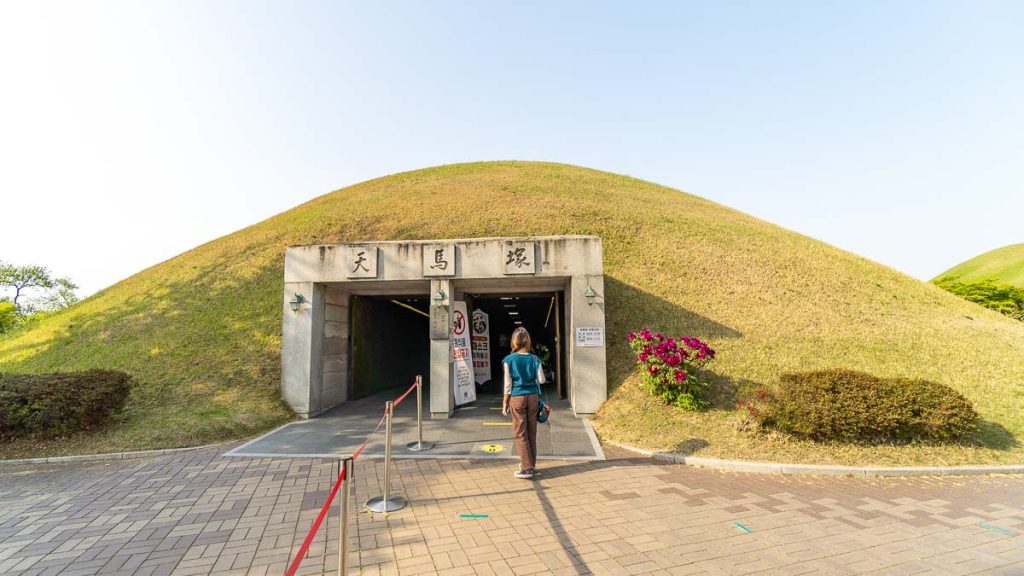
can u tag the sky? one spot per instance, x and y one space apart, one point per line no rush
133 131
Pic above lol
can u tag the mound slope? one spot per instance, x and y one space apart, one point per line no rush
201 332
1004 265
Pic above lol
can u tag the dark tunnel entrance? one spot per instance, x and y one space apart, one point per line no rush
542 315
390 343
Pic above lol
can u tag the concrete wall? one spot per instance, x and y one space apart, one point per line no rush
302 348
314 359
336 377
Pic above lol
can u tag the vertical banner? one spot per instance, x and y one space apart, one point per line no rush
481 346
459 343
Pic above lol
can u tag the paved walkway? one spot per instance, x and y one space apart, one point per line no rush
477 430
201 513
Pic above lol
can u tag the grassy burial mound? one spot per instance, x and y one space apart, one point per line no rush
200 333
1003 266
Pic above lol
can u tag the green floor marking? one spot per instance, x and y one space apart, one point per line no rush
1002 531
742 527
473 516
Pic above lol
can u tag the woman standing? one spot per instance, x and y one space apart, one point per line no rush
523 377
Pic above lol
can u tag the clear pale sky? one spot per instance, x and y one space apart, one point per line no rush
133 131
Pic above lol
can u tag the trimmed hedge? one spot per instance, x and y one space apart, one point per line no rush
49 405
851 406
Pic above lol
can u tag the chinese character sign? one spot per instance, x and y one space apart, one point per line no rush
519 257
361 262
439 260
459 342
481 338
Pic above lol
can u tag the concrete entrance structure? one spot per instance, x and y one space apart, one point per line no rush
320 280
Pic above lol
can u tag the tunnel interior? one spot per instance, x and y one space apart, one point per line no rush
542 315
390 343
390 339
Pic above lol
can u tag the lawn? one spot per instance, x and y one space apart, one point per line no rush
1003 265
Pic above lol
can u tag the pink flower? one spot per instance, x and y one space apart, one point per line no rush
680 376
631 336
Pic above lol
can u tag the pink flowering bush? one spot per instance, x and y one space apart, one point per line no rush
672 367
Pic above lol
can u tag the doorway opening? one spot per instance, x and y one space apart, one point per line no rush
542 314
390 343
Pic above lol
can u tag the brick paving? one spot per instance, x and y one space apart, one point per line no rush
200 513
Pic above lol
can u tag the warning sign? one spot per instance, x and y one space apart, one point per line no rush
462 370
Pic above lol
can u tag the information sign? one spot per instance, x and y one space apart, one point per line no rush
590 337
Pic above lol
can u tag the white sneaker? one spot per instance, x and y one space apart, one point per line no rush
525 474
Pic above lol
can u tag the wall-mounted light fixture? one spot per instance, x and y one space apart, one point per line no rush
590 295
439 297
296 301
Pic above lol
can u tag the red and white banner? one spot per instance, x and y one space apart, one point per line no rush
459 343
481 346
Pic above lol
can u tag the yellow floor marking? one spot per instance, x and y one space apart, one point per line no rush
492 448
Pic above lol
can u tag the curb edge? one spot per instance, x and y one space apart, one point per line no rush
110 455
820 469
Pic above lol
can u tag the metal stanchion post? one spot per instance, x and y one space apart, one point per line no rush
346 496
419 444
387 502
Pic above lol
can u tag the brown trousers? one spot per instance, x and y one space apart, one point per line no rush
524 426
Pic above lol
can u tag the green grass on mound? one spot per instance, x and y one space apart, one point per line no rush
201 332
1003 265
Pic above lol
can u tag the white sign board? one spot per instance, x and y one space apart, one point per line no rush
462 370
439 260
481 346
360 261
590 337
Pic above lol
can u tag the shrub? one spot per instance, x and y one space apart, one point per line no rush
57 404
8 316
1002 298
672 367
851 406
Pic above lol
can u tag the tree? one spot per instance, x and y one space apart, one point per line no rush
60 296
22 278
57 293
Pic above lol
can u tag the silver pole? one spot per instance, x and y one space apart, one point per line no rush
419 444
419 410
346 495
387 453
387 502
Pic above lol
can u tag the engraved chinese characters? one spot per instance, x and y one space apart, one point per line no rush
439 260
520 258
361 261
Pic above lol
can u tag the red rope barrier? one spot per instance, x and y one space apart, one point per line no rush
316 526
402 397
334 491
